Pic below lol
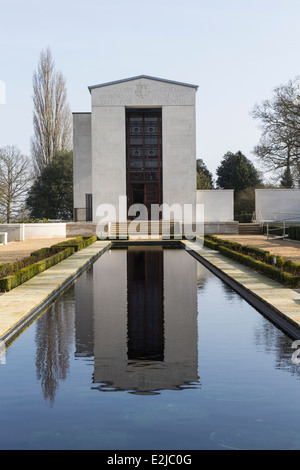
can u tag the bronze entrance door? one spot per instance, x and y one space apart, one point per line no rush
144 157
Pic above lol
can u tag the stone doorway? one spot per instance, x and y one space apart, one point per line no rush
144 157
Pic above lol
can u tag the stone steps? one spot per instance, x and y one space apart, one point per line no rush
250 229
142 228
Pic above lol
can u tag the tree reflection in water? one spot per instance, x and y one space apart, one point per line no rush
54 341
273 342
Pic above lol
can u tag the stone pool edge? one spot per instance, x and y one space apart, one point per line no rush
25 303
66 272
279 304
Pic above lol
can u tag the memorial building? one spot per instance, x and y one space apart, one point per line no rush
136 146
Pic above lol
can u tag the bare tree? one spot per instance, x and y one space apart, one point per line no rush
279 146
15 177
52 121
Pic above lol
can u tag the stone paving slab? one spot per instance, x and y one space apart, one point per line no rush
20 305
281 300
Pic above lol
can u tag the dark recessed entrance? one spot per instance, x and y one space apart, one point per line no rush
144 157
145 305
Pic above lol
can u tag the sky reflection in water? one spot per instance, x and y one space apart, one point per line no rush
149 350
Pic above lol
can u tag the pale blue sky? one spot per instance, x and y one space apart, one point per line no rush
237 51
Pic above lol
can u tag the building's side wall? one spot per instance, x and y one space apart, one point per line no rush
218 204
277 204
108 157
82 158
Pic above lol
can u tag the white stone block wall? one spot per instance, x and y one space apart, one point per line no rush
277 204
179 150
15 232
108 156
51 230
218 204
21 232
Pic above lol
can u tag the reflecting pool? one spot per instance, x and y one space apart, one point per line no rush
150 350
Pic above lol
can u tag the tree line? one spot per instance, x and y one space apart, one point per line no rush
41 186
278 151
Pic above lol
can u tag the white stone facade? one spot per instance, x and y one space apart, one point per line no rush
100 142
277 204
218 204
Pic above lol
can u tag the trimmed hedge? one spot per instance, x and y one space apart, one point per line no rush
285 271
271 271
77 243
211 244
19 277
6 269
246 249
46 251
294 233
39 260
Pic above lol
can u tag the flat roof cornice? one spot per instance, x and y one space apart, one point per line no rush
138 77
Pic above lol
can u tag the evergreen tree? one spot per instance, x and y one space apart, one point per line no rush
204 176
287 178
237 172
51 195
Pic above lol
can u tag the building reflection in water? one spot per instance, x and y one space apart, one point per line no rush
133 315
145 320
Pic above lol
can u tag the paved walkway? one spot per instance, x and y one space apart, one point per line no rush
15 251
276 246
20 305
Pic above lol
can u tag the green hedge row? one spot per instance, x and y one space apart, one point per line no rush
285 271
294 233
19 277
61 251
77 243
246 249
271 271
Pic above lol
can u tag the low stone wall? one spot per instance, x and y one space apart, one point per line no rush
20 232
224 228
76 229
277 204
89 229
15 232
54 230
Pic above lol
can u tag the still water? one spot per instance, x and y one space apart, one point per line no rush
149 350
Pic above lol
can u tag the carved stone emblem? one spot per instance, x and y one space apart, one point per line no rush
141 90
